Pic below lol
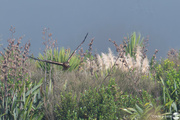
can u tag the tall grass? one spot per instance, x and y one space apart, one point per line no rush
106 61
122 85
132 42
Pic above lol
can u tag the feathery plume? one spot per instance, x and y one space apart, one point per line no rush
99 61
130 61
111 58
106 61
138 57
145 65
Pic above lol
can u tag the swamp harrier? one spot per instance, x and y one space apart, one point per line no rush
65 65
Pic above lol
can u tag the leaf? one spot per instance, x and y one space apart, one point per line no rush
30 107
139 110
33 89
174 106
126 110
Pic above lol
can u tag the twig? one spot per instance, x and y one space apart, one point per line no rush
109 72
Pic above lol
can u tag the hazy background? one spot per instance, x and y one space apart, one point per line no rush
70 20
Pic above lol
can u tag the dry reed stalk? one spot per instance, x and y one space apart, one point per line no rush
145 45
49 44
90 54
173 55
121 50
82 56
153 58
116 46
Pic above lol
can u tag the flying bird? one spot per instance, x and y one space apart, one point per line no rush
65 65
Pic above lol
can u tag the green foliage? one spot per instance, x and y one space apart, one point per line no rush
25 104
171 99
104 103
169 78
99 105
61 56
20 99
91 105
164 67
133 43
67 108
143 111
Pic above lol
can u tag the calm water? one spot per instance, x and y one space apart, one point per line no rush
70 20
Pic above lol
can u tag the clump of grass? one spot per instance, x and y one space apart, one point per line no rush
73 85
131 74
106 61
131 56
74 82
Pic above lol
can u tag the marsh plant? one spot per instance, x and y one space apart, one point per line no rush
122 85
133 41
18 96
147 111
106 61
59 56
131 56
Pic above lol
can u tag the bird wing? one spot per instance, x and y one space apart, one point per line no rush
47 61
77 48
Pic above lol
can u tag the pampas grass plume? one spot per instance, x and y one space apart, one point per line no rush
145 65
99 61
130 61
111 58
105 60
138 57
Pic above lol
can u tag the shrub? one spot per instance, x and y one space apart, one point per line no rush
67 107
98 103
61 57
19 97
146 111
169 78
